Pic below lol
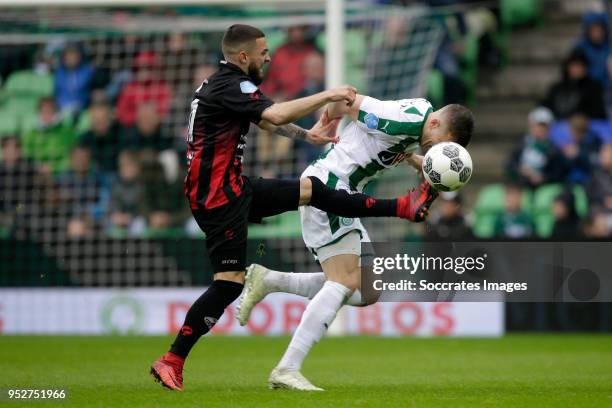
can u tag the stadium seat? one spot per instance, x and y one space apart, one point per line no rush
355 43
435 88
164 233
29 83
516 12
285 225
23 89
275 39
469 69
491 199
489 203
484 225
83 123
9 124
543 200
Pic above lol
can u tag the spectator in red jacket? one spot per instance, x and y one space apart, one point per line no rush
286 77
147 87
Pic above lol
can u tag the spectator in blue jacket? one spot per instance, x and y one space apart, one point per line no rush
580 145
72 80
595 44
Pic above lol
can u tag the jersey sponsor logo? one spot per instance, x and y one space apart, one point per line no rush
371 121
247 87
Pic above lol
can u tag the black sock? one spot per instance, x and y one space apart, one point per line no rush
343 204
204 313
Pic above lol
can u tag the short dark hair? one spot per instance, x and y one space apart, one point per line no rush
460 123
238 35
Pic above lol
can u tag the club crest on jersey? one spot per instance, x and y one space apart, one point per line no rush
347 222
247 87
371 121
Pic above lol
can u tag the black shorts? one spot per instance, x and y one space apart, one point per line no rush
226 227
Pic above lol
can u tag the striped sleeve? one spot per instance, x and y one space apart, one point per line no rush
401 117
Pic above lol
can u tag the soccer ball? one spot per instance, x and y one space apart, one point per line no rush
447 166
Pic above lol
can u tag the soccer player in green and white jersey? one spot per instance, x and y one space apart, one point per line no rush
381 135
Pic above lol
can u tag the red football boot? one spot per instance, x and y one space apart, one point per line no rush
414 206
168 371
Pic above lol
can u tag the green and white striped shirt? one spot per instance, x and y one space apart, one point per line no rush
384 132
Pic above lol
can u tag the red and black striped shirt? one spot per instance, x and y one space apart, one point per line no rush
221 112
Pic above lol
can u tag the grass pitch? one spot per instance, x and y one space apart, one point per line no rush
515 371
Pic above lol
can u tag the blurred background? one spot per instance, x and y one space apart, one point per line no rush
94 100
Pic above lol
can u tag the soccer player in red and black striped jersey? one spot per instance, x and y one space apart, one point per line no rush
223 200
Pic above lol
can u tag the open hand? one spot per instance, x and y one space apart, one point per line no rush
324 131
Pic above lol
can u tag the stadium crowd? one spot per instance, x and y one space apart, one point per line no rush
101 151
569 141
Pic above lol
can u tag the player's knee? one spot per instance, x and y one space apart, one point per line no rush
351 278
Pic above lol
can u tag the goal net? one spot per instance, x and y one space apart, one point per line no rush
93 112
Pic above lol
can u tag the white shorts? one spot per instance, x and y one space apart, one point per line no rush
322 230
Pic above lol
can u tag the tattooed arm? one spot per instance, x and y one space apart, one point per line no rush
291 131
322 132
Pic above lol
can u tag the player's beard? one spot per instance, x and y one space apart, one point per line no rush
255 74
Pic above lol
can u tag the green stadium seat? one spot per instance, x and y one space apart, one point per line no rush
545 195
516 12
259 10
484 225
544 224
28 121
21 106
275 39
492 199
83 123
29 83
23 89
543 201
435 88
490 202
354 45
164 233
469 70
285 225
9 123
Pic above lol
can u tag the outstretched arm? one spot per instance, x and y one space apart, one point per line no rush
289 130
321 133
286 112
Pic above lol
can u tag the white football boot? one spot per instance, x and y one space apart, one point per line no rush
292 380
255 289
